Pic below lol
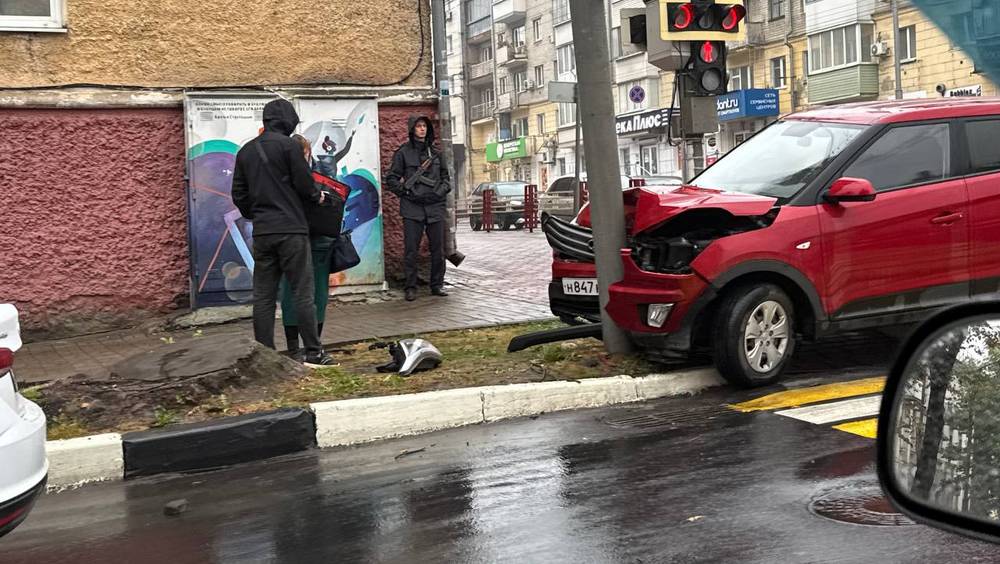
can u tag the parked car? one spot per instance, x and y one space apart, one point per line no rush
557 200
508 205
23 466
837 219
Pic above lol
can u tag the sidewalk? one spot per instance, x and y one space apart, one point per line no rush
503 280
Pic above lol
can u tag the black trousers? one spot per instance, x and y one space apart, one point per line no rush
413 232
290 255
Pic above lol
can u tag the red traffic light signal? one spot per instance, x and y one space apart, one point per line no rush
702 20
707 68
707 52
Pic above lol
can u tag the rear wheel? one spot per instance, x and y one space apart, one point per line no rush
757 330
506 223
475 223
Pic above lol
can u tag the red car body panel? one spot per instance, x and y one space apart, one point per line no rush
639 288
653 208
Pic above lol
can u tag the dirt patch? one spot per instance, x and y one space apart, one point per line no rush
475 357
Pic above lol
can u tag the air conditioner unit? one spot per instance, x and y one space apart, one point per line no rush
447 16
529 84
880 49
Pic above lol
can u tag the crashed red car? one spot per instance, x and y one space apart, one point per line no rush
839 219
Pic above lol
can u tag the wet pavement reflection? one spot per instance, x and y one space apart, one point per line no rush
678 480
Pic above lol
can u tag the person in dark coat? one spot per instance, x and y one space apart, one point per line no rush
272 184
422 206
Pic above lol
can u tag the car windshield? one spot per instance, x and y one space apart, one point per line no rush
779 160
510 189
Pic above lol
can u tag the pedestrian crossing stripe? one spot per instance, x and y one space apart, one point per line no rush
851 406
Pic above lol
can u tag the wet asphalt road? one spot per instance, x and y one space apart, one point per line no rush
697 483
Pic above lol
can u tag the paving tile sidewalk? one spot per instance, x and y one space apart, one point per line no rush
503 280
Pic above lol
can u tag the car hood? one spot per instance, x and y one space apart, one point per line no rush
651 208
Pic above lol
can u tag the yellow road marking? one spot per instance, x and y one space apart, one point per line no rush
866 428
805 396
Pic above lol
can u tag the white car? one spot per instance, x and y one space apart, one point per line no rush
23 465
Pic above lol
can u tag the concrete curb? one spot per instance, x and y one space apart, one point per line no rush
348 422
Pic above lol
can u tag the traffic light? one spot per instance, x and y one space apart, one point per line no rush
708 68
702 20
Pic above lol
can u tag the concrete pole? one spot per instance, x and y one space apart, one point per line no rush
897 66
442 83
596 110
577 193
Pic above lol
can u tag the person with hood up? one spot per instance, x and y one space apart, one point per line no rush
419 177
272 184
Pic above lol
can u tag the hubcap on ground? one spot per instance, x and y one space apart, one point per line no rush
766 336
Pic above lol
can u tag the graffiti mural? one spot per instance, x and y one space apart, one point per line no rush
345 139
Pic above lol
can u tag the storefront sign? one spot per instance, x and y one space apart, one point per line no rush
756 102
506 150
646 122
976 90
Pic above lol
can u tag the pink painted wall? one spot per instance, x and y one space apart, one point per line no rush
94 228
93 215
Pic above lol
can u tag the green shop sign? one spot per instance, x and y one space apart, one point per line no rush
505 150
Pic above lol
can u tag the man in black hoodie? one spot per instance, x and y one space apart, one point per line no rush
272 184
422 207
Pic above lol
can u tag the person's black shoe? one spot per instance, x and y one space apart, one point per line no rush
319 360
411 294
439 292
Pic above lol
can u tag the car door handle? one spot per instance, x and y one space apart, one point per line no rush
946 219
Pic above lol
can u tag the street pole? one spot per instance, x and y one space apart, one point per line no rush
897 66
596 110
577 197
441 81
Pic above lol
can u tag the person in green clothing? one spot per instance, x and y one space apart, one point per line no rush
321 272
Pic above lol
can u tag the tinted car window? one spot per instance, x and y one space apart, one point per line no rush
983 149
510 189
562 185
904 156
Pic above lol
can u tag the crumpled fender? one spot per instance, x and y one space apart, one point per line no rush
653 208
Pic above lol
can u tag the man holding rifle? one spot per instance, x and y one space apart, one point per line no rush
419 177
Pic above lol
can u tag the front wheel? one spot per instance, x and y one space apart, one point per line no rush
757 335
475 223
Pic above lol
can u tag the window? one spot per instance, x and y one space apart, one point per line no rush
840 47
907 44
39 15
539 76
778 73
649 161
562 166
486 54
776 8
536 29
560 11
501 39
740 136
616 42
567 114
540 123
520 127
625 164
982 137
565 59
451 45
518 36
520 81
917 153
502 86
487 97
741 78
478 9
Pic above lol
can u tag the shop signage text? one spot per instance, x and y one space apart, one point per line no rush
645 122
506 150
756 102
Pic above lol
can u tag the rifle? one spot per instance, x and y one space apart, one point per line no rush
418 176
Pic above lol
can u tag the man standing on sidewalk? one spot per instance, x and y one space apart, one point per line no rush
271 185
419 176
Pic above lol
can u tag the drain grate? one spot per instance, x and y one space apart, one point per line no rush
669 419
858 505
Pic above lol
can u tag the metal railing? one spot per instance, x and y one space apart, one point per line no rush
480 70
482 111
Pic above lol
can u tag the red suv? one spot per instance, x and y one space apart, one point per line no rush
838 219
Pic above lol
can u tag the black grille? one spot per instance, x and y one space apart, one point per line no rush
571 240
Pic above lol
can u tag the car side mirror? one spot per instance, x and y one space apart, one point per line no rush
849 189
939 424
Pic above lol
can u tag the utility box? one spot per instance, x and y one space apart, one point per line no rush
699 115
664 55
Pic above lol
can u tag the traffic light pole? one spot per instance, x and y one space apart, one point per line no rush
596 110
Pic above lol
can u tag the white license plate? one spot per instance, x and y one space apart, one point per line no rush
579 286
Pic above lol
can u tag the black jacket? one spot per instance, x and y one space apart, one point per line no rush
405 163
274 202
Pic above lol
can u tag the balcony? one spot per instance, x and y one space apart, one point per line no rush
755 37
560 14
854 83
508 11
479 31
506 102
480 71
482 111
512 54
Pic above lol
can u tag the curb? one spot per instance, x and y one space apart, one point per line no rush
219 443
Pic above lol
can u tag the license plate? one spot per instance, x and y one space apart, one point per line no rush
579 286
